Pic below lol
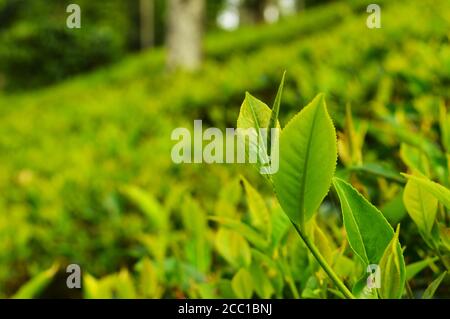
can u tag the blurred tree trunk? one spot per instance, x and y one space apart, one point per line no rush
252 11
147 23
184 34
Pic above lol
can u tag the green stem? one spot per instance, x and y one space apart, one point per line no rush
315 252
409 291
293 288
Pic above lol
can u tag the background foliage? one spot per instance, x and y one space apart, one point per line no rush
86 175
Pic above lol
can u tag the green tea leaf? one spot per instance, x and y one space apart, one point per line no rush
233 247
322 243
259 214
124 285
206 290
194 217
249 233
149 280
367 229
273 269
312 289
228 199
350 143
95 289
225 289
262 285
393 273
307 161
242 284
420 205
418 139
275 111
431 289
280 225
148 205
437 190
37 284
444 123
198 254
380 170
156 245
198 248
413 269
255 114
448 167
415 159
343 266
444 236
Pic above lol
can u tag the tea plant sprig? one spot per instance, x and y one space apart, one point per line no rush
323 263
421 198
307 163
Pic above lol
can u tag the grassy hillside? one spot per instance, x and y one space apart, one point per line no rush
85 170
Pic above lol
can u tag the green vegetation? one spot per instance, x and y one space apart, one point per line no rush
86 175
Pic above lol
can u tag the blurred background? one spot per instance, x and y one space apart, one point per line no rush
38 49
86 116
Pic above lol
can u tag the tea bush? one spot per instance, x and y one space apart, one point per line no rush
37 49
86 175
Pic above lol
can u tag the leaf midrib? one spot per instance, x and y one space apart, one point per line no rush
305 164
358 230
274 115
258 133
